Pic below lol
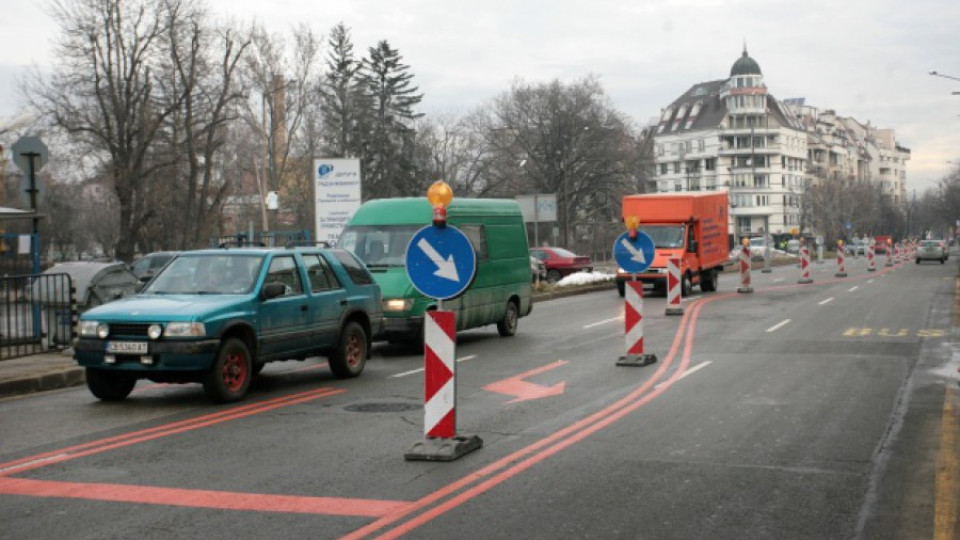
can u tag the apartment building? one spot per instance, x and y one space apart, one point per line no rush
733 135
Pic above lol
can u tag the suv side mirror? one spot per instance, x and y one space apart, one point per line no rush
272 290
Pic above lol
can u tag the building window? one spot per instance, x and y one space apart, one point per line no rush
676 167
664 168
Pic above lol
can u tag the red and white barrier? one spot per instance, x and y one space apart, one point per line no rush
745 286
889 254
871 256
674 287
440 393
440 370
841 271
633 326
804 266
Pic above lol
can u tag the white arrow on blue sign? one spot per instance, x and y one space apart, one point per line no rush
441 262
634 255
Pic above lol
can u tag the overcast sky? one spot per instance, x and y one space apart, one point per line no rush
869 59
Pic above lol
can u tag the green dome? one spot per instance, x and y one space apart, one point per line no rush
745 65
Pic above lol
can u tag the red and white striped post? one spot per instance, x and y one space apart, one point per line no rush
889 254
440 393
871 256
745 286
804 266
898 254
674 287
841 271
633 323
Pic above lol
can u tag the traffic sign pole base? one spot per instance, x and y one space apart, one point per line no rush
674 311
744 289
840 274
766 271
638 360
804 281
871 269
436 449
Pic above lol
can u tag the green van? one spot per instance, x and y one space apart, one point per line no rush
500 294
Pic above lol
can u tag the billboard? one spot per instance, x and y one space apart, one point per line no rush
337 188
538 208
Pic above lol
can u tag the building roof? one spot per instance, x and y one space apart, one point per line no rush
745 65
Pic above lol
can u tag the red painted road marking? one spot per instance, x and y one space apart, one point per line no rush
134 437
198 498
524 390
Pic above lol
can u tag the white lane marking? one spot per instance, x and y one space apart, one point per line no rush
827 301
603 322
420 370
690 371
851 289
869 281
776 327
778 279
31 462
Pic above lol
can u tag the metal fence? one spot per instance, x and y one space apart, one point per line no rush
38 313
268 239
19 254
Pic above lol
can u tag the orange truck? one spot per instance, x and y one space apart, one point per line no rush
691 226
881 243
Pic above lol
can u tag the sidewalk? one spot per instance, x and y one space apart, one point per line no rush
38 373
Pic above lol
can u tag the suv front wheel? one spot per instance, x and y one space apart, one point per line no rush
351 356
229 377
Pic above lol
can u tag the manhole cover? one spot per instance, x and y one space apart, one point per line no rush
384 407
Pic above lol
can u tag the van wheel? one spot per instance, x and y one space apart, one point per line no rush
109 385
229 377
351 356
508 325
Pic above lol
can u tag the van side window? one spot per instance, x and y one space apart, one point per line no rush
320 274
284 270
478 237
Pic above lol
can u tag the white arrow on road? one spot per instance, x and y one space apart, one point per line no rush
635 254
445 268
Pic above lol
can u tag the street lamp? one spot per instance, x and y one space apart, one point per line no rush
951 77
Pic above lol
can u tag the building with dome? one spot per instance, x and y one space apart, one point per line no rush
733 135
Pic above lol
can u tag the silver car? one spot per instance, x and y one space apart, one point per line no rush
931 250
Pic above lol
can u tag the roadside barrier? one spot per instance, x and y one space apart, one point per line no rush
804 266
889 254
871 257
440 393
841 271
745 286
633 323
674 287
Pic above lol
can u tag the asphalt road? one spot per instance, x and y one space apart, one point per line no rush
814 411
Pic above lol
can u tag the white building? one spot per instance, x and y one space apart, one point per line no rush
733 135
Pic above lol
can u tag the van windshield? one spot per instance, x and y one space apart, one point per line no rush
378 246
664 236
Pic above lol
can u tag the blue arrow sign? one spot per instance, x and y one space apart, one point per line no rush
634 255
441 262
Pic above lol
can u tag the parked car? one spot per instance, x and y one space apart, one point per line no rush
560 262
793 246
931 250
855 247
538 270
147 266
217 316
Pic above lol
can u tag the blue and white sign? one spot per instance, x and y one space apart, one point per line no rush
441 262
634 255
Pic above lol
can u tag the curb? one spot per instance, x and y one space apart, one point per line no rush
573 291
52 380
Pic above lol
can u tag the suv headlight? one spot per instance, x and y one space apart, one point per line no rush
397 304
94 329
185 329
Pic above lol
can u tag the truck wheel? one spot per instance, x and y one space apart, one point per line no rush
109 385
508 325
708 280
351 355
686 286
229 377
621 288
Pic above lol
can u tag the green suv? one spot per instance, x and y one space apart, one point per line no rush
217 316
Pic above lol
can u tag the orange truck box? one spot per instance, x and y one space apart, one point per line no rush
692 226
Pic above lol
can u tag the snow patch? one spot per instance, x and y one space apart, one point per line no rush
584 278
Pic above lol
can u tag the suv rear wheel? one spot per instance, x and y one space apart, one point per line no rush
229 377
351 356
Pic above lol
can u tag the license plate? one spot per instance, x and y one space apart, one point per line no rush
127 347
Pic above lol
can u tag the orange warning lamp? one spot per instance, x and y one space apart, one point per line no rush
632 223
745 242
840 243
439 196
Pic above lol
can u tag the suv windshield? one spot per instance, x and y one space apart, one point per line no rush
379 246
208 273
664 236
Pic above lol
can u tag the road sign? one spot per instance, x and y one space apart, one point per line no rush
441 262
27 147
634 255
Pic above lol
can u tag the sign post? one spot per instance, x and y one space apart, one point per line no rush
31 155
441 263
634 252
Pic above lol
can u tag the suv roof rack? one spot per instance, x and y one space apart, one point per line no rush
304 243
239 243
